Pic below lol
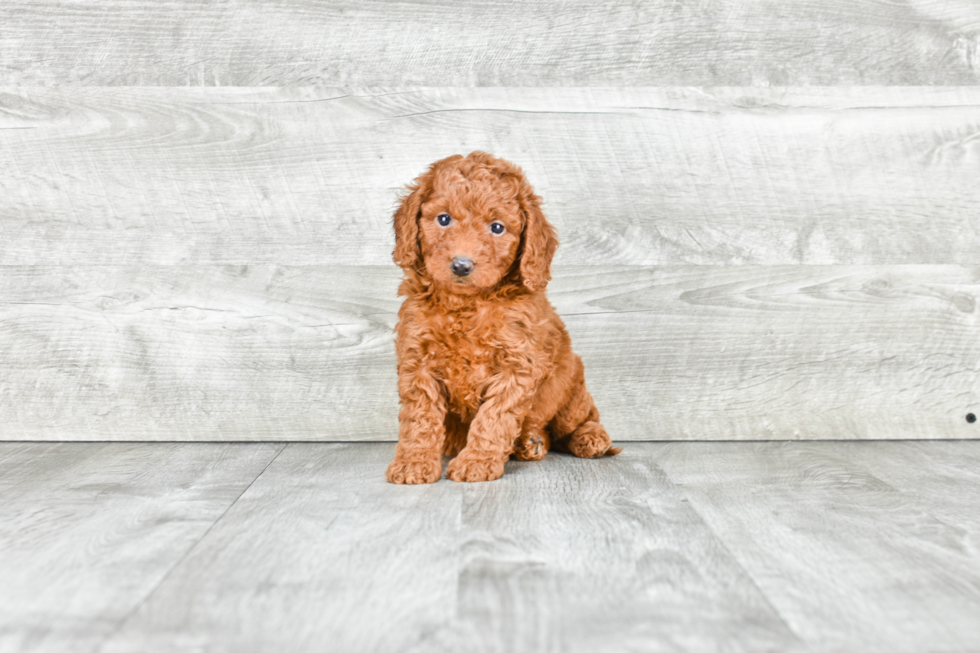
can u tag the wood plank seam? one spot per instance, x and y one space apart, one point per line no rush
176 565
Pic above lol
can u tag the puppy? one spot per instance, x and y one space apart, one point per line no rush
485 366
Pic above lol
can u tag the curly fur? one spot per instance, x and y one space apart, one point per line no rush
485 366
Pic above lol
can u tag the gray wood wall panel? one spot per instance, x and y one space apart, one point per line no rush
306 353
486 43
208 353
630 176
184 259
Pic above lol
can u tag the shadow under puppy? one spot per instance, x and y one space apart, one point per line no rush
485 365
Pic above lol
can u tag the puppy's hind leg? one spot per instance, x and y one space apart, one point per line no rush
576 426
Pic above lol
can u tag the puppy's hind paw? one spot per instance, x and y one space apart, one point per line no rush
590 440
414 472
530 447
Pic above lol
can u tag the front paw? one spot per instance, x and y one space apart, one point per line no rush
414 472
471 469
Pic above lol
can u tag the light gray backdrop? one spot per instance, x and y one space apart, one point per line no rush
769 211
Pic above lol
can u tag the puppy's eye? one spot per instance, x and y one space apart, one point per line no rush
443 219
497 228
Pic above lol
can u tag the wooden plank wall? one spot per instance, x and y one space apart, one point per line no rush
769 212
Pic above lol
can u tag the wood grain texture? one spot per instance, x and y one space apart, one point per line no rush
869 546
200 353
310 176
672 353
792 352
89 530
945 476
321 554
837 548
563 555
486 43
600 555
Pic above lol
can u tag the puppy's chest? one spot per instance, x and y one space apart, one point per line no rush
465 357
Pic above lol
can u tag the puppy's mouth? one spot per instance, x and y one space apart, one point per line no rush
464 284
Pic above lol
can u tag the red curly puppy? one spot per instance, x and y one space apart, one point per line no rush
485 366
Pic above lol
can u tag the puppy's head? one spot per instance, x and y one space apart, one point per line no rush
470 223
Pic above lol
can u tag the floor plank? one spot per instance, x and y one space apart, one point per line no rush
942 478
505 42
648 176
563 555
835 546
320 554
599 555
87 531
851 561
306 352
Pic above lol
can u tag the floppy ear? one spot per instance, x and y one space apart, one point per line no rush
538 242
406 221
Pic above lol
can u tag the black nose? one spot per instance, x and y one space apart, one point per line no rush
462 266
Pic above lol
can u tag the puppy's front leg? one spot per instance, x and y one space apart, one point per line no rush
422 429
494 430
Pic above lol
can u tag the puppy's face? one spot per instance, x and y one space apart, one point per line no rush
470 230
467 223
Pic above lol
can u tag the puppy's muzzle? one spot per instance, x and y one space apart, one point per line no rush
462 266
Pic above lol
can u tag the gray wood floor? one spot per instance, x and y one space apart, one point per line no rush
737 546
